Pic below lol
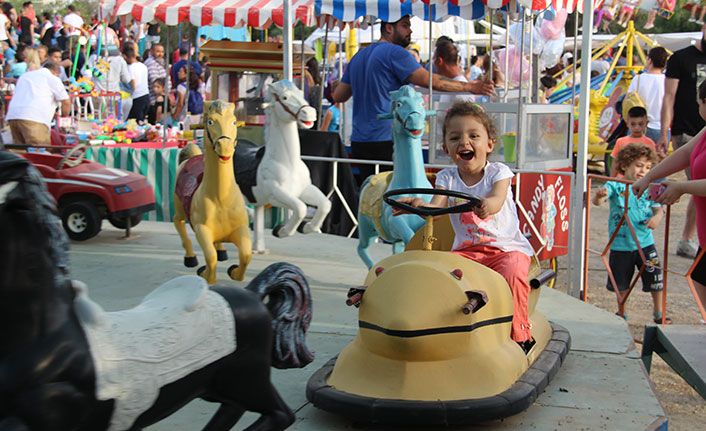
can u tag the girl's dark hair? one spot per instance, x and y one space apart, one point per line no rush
632 152
463 108
159 81
194 80
313 67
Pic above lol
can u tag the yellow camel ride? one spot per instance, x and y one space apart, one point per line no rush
206 194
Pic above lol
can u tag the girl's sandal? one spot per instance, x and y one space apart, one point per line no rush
658 319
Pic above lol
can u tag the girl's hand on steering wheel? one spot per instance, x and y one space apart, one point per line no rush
410 200
482 210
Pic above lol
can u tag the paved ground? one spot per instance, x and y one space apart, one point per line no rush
602 383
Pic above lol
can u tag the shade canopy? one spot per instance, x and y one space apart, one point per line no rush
229 13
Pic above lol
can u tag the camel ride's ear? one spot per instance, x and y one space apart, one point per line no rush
207 105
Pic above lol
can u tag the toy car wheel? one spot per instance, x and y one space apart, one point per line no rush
81 220
121 222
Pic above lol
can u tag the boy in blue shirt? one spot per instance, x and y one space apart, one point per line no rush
633 162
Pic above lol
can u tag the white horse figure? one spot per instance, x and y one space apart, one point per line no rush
275 174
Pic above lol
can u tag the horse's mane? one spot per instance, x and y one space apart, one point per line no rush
275 88
34 246
217 106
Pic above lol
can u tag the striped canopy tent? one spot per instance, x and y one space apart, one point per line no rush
336 12
229 13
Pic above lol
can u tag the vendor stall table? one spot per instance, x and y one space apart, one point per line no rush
159 165
150 159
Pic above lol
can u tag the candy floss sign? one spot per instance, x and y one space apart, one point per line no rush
545 199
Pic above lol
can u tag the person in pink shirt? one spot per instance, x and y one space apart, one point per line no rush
691 155
637 123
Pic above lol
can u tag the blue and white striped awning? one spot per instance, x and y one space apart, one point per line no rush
349 11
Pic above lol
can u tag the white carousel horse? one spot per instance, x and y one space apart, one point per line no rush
275 174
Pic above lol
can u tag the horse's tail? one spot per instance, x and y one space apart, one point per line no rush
289 303
188 152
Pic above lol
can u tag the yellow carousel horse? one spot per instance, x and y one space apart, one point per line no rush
206 194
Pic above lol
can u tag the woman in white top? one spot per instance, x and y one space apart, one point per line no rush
650 86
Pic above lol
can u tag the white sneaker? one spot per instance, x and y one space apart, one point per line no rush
699 22
692 19
687 249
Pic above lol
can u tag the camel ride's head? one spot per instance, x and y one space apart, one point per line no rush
408 112
286 102
221 130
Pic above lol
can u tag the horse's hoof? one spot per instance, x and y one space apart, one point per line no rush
276 230
191 261
307 227
201 270
222 255
230 272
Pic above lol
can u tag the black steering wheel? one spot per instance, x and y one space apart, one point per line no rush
430 211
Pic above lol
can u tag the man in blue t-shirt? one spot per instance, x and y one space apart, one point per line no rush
184 60
371 75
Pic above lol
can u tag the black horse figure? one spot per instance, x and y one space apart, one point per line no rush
65 364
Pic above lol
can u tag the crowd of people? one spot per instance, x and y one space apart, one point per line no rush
490 233
44 54
131 66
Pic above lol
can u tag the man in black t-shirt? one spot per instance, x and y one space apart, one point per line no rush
152 37
27 24
686 70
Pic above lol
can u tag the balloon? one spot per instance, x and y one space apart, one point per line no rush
515 30
515 62
551 52
551 30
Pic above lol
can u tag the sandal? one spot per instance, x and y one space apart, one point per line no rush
624 316
658 319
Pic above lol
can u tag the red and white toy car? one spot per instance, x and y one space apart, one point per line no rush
86 192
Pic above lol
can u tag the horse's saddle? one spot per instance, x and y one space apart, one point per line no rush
179 328
371 199
188 180
246 160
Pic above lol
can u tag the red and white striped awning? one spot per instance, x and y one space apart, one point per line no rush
572 5
537 5
229 13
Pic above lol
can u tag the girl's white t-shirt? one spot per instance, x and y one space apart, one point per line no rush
501 230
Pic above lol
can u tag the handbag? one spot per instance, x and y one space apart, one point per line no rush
632 100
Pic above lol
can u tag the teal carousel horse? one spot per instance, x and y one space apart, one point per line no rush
374 216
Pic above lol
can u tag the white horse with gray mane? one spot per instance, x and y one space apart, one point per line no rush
275 174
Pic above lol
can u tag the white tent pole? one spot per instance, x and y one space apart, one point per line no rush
530 83
579 198
506 85
576 47
166 116
431 52
287 32
490 72
522 58
342 128
302 59
323 75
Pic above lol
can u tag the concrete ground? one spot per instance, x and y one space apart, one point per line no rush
601 385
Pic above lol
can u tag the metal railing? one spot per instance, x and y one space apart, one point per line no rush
625 220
